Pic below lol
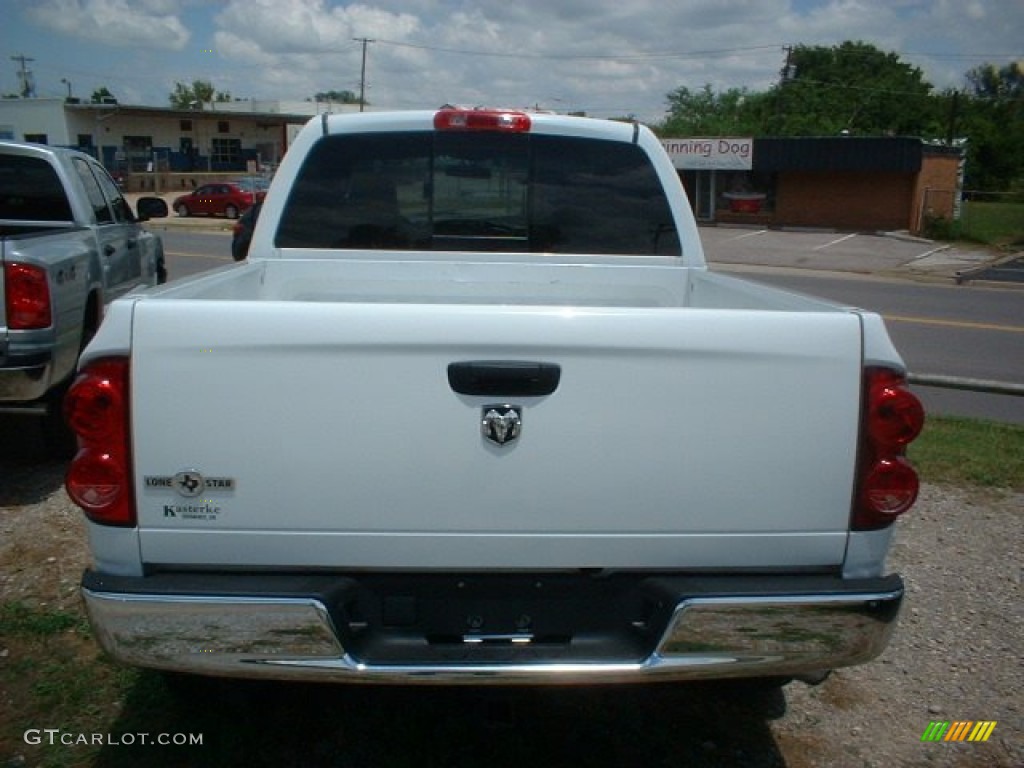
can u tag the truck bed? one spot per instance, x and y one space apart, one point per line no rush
514 279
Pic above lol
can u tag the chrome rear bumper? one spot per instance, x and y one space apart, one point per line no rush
23 379
295 638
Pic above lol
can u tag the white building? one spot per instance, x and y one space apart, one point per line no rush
220 137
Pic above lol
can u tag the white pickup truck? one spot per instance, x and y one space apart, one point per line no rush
475 410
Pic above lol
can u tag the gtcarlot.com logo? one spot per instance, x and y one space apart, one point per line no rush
959 730
57 737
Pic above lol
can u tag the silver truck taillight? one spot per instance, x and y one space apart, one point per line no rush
893 418
96 408
27 297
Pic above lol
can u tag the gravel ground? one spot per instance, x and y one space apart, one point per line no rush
956 655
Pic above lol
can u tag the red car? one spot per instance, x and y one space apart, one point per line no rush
223 198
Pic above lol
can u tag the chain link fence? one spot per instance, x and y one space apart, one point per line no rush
992 218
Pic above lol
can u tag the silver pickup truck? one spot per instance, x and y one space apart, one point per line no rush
475 410
69 244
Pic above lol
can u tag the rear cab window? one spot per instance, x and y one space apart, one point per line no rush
31 190
479 192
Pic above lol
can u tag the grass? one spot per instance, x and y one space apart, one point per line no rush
52 676
996 224
19 620
957 451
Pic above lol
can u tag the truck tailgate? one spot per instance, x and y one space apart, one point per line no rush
292 434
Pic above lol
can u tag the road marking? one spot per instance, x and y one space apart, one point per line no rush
932 252
955 323
749 234
834 242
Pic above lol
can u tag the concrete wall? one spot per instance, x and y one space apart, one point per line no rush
174 183
19 117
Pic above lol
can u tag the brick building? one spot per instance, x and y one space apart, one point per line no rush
843 182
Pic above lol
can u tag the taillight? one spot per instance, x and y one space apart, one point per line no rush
482 120
895 415
887 483
96 408
27 296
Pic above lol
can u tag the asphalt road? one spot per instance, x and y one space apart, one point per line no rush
975 330
1010 271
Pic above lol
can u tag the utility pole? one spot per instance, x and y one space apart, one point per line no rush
951 123
362 75
25 75
787 75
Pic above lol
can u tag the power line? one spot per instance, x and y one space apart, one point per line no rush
653 55
928 93
583 57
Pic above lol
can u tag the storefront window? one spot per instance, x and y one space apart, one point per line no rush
745 192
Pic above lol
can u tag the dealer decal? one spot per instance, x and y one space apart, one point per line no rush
205 511
189 483
192 485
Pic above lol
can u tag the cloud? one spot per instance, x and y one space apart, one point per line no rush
602 56
121 23
605 57
308 27
296 48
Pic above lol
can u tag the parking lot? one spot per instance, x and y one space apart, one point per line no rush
886 253
827 250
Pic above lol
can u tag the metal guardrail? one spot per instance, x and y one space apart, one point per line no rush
967 384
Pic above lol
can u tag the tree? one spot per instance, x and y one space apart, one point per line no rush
998 83
100 94
993 122
341 97
706 113
197 94
853 87
856 88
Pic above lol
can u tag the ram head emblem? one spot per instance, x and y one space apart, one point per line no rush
501 424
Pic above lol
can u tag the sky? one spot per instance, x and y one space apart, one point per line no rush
604 57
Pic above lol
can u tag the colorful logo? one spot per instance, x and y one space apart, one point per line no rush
960 730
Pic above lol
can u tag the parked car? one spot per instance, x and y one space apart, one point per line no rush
224 198
251 183
241 232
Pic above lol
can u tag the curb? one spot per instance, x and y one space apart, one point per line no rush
964 275
197 223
